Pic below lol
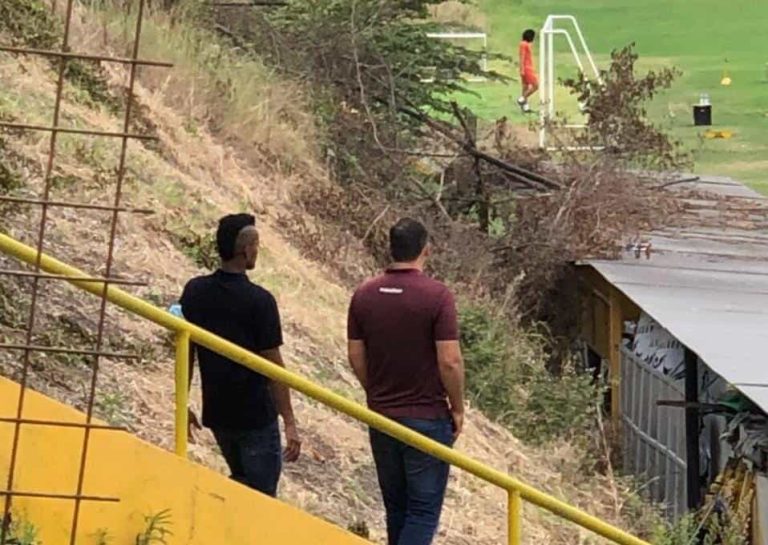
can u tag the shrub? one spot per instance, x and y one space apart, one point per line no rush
617 116
704 527
508 380
200 248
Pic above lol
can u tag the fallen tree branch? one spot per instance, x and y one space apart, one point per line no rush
524 176
521 174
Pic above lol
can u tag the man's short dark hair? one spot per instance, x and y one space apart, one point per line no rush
226 235
529 35
407 239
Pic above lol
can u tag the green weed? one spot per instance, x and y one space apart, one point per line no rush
91 80
101 537
14 304
201 249
360 528
113 407
157 529
10 179
21 531
67 332
703 528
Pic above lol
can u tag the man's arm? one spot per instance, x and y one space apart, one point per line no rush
192 421
355 343
358 362
450 363
282 396
186 302
191 374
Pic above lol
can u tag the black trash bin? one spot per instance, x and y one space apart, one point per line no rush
702 115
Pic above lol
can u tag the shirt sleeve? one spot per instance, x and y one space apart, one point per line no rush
269 330
447 323
186 302
354 327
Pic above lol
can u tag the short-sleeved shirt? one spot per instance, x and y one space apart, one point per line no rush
231 306
399 316
526 56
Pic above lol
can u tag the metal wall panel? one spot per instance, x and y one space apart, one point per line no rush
653 436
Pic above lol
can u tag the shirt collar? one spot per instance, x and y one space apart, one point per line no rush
392 270
226 275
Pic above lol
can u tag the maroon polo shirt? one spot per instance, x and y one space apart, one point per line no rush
399 316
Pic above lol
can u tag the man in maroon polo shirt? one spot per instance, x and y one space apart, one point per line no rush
404 350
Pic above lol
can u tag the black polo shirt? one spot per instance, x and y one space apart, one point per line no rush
233 307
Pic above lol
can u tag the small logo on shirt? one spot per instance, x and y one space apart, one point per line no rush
391 291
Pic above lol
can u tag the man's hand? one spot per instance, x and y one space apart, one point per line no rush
458 422
193 424
292 443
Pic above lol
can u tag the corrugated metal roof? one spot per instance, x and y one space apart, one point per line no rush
708 283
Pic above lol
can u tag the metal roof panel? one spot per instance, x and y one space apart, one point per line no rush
709 287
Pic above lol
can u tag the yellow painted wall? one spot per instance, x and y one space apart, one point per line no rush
205 508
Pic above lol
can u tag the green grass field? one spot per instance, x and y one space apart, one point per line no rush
696 36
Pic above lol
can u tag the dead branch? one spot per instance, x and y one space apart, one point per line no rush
376 220
525 176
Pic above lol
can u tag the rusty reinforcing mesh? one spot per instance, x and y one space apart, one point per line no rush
63 55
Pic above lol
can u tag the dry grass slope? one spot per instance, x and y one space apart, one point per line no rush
211 160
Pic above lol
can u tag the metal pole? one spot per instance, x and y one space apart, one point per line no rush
515 519
182 392
584 46
575 52
543 99
692 428
551 74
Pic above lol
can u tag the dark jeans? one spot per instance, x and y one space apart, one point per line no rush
254 457
412 483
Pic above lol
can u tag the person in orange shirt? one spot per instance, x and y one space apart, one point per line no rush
530 82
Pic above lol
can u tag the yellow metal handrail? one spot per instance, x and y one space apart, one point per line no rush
187 332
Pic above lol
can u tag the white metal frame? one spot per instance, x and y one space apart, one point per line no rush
464 36
547 66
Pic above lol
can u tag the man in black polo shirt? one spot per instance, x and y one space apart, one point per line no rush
241 406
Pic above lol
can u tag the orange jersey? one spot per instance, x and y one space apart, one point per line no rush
526 57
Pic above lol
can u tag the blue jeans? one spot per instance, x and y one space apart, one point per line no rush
412 483
254 457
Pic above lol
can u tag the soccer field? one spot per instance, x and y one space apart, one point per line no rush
696 36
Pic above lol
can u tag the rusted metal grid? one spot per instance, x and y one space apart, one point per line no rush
45 203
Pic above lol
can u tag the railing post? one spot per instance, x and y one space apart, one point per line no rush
515 518
182 392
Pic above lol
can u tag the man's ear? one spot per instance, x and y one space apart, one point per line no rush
427 250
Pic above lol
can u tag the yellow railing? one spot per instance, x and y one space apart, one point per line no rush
187 332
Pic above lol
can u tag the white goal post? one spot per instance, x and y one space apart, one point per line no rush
466 36
558 25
